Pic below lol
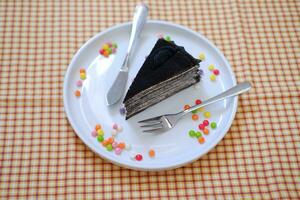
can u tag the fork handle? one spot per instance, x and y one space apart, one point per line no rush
236 90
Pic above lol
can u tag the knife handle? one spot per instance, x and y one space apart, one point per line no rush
139 20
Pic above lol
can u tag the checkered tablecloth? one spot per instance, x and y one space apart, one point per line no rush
41 156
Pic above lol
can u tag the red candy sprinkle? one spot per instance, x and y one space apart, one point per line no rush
198 101
201 126
205 122
139 157
101 51
216 72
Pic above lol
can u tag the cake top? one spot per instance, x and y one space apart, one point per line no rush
165 61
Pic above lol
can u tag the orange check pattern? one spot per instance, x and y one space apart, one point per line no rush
41 156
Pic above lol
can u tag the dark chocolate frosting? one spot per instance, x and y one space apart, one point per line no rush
165 61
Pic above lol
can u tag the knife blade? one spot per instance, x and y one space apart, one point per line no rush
116 91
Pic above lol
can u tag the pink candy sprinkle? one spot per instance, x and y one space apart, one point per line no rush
114 145
115 126
216 72
205 122
94 133
201 126
109 43
160 35
79 83
118 151
139 157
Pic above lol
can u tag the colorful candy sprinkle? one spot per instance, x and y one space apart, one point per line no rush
127 146
212 77
216 72
201 109
82 70
121 145
160 35
139 157
207 114
192 133
205 122
114 145
97 127
211 67
213 125
198 134
195 117
109 147
151 153
115 126
186 107
77 93
194 111
119 128
168 38
94 133
105 142
100 132
198 101
201 56
206 131
82 76
79 83
114 132
201 126
118 151
100 138
201 140
122 111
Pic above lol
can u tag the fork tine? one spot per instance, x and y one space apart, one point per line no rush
157 125
153 119
152 130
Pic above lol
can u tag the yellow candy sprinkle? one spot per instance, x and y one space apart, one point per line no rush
201 56
105 47
100 132
207 114
82 76
201 109
211 67
212 77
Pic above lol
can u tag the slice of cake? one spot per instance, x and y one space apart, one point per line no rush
167 70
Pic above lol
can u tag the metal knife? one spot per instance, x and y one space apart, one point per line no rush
116 91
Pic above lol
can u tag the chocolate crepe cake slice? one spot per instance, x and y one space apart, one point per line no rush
167 70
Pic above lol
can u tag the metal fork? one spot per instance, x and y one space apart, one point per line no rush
165 122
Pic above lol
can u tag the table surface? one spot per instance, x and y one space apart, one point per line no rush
41 156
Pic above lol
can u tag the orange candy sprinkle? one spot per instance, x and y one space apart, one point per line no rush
110 140
206 131
187 107
195 117
121 145
105 142
105 53
82 70
77 93
151 153
97 127
201 140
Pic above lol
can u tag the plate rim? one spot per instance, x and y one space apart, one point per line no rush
92 39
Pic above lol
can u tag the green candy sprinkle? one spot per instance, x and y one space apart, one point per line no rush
192 133
100 138
198 134
109 147
114 45
109 50
168 38
194 111
213 125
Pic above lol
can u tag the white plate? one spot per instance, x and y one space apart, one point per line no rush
174 148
